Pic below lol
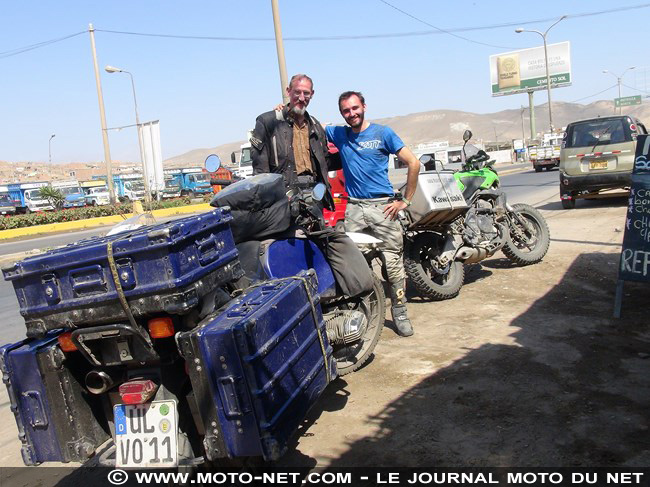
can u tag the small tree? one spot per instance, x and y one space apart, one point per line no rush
54 196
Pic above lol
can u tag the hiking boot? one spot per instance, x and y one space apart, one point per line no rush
401 320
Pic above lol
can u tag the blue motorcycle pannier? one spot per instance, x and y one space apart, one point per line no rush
55 415
166 268
257 366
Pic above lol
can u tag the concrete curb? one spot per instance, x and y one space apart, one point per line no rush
95 222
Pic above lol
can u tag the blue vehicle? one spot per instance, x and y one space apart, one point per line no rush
222 347
27 197
193 181
71 190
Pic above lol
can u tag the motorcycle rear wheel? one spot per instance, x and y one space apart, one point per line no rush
534 246
425 277
352 357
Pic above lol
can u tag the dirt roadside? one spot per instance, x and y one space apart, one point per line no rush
526 367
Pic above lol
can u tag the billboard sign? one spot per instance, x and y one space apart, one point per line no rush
627 101
525 70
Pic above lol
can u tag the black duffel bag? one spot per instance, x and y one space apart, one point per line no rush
259 205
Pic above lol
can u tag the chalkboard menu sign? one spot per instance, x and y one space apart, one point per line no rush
635 255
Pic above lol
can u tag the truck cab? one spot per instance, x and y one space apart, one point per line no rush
193 181
74 195
245 164
172 187
7 204
96 193
129 187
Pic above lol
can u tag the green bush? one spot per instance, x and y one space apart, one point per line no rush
72 214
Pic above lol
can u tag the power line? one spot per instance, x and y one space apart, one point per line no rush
437 30
595 94
636 89
31 47
443 30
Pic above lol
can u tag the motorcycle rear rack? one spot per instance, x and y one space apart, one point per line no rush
117 344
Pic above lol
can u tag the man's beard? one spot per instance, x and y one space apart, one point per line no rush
298 111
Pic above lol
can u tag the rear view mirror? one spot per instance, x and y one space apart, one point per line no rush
467 135
318 193
212 163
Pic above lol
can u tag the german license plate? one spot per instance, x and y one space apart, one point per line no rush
598 165
145 434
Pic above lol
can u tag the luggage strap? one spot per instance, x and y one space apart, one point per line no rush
318 331
120 292
305 284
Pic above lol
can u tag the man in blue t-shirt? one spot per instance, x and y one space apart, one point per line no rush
365 148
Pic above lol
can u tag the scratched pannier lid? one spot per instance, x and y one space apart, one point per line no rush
166 267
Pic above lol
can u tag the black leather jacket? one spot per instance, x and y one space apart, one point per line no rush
272 150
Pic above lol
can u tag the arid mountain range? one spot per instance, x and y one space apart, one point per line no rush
414 128
449 125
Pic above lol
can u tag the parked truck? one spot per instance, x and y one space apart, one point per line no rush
7 204
96 192
172 187
546 154
245 163
193 181
27 197
129 187
71 190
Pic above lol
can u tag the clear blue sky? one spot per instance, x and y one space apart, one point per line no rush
208 92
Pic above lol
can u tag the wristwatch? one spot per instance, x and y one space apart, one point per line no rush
408 202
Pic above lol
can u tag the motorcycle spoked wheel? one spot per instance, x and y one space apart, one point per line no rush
352 357
428 280
533 246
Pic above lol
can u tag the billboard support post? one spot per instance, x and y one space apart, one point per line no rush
548 76
531 108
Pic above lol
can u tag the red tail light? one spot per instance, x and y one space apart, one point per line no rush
137 391
66 343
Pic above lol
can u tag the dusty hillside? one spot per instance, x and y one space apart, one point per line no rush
440 125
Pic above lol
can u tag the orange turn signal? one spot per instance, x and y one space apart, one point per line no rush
161 327
66 343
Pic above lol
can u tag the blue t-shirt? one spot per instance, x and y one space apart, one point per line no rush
365 158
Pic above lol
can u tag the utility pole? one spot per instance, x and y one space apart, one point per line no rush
531 113
102 116
282 65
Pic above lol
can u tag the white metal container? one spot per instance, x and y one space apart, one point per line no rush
437 198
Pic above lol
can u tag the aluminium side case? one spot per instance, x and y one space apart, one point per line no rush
164 268
55 415
437 200
258 365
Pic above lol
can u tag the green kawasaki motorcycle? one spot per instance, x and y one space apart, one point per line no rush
458 218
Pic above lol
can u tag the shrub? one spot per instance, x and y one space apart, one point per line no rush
72 214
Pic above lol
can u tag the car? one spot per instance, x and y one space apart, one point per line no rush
597 154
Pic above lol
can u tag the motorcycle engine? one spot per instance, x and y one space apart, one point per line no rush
480 228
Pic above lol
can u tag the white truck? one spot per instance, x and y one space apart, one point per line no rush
245 164
547 154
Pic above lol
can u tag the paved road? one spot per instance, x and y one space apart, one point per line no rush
527 186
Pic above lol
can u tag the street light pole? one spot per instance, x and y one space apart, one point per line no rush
619 80
147 192
548 77
49 147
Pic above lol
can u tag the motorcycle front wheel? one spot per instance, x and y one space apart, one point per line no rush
428 279
527 244
353 356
